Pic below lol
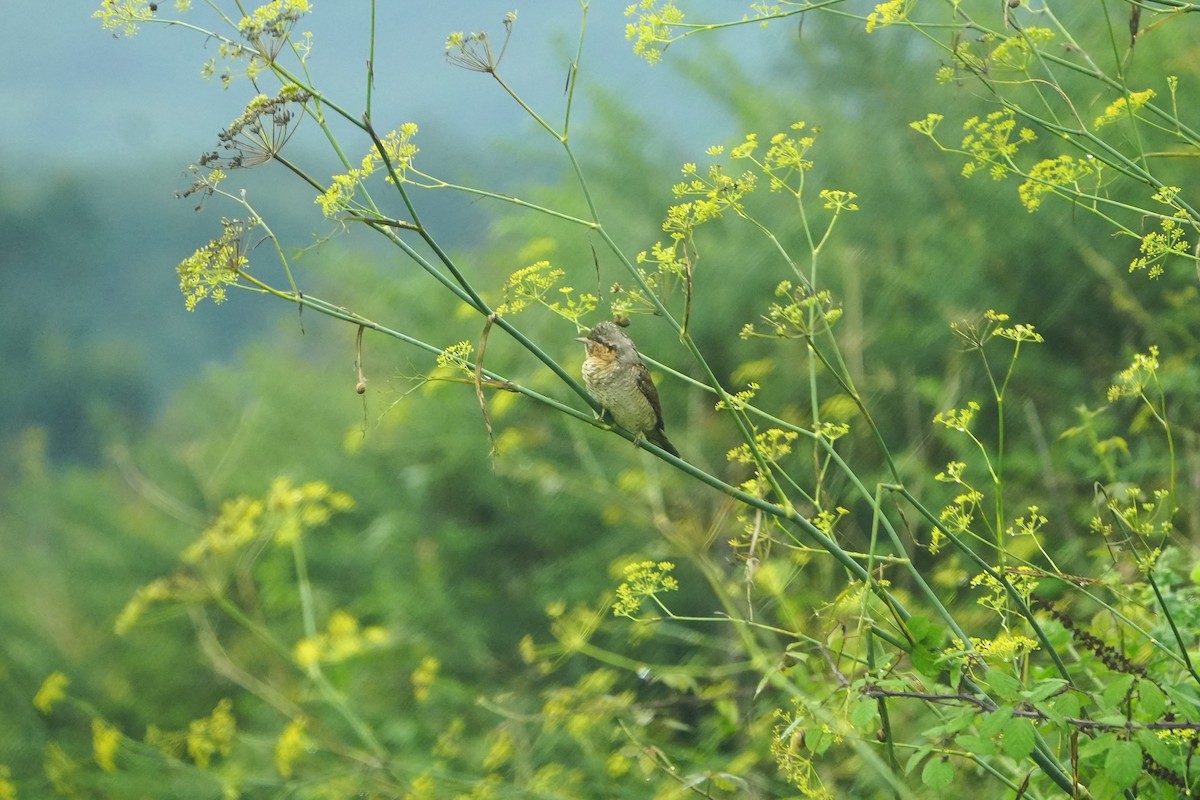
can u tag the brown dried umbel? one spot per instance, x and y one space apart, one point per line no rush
260 132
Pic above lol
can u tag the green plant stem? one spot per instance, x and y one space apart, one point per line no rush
885 720
766 665
331 695
1162 603
370 64
1001 578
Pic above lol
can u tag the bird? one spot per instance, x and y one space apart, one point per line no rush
616 378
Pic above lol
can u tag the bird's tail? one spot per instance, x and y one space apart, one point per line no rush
660 439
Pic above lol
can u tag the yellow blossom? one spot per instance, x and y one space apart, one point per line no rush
53 689
105 740
290 745
212 735
1123 105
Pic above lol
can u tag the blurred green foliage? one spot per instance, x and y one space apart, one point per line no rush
449 633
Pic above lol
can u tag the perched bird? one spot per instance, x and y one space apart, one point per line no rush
617 379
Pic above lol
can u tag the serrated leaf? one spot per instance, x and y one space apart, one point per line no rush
916 757
1099 746
864 714
1158 749
1114 694
819 741
1067 704
924 631
993 723
1151 700
927 660
1113 720
1123 764
1019 737
938 773
1044 690
1003 685
960 721
1184 700
1062 706
977 744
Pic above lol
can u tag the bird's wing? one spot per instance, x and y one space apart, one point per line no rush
646 386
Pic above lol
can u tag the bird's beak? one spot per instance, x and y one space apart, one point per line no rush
583 340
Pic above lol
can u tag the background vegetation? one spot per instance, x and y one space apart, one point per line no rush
934 529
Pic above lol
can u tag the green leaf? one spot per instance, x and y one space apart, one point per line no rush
1114 694
818 741
1044 690
1019 737
1158 749
977 744
927 660
863 716
960 721
678 680
1123 764
925 632
1102 787
927 645
1151 700
1062 706
1185 700
1097 747
1067 704
938 773
1005 686
916 757
991 724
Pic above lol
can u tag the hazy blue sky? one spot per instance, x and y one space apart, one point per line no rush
95 134
69 91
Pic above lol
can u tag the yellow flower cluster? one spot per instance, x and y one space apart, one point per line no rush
343 638
803 315
1124 105
8 790
52 691
105 741
1017 52
123 15
651 33
399 150
958 419
206 272
989 142
1005 647
1133 380
643 579
424 676
273 19
291 744
1158 246
527 284
212 735
888 13
773 444
455 357
1050 173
